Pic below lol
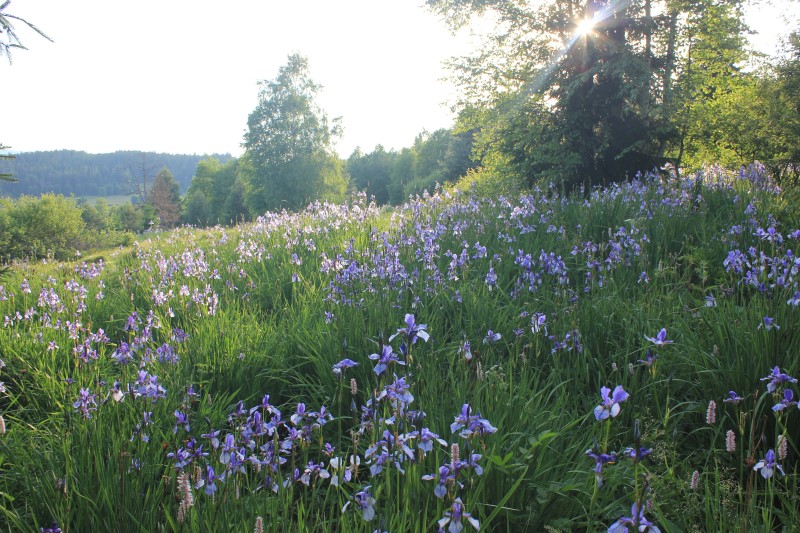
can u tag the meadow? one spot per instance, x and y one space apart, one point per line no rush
622 360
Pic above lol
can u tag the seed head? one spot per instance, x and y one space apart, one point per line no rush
695 480
730 441
711 413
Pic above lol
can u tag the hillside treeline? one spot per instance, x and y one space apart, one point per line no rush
71 172
221 191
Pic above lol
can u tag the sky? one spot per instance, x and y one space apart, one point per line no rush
180 76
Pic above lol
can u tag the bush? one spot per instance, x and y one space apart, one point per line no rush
49 226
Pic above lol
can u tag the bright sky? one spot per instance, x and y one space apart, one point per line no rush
179 76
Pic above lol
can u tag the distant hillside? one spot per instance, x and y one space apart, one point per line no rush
82 174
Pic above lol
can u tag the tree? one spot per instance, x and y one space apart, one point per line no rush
8 41
578 91
8 36
165 197
141 174
289 143
6 176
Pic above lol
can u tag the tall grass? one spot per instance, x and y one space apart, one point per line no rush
438 365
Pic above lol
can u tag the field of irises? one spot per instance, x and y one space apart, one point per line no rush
622 360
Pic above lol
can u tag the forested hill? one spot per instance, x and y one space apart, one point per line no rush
82 174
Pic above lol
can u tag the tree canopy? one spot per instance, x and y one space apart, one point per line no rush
289 143
587 91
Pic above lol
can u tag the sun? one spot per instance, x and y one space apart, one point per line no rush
584 27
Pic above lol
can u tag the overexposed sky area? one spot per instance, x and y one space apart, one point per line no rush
179 76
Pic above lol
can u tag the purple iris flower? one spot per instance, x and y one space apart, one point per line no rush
86 403
455 516
768 324
181 419
788 397
636 520
365 502
610 406
491 337
637 454
385 358
660 339
777 377
601 459
651 359
733 398
539 323
209 481
768 465
340 367
491 279
412 331
470 424
466 350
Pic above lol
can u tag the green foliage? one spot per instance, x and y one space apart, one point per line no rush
570 107
654 82
50 226
435 158
72 172
5 176
289 143
271 307
165 199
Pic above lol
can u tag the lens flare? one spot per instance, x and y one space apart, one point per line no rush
585 27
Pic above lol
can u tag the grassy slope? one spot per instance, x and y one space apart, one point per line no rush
253 300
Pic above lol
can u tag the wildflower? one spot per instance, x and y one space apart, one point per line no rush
336 463
768 324
777 377
412 331
52 529
86 402
711 412
695 482
455 516
711 301
491 279
730 441
181 419
539 323
768 465
209 481
733 398
649 361
794 300
2 425
788 401
637 454
637 520
259 525
470 424
783 449
601 459
610 406
342 365
660 339
466 350
426 438
385 358
491 337
365 502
